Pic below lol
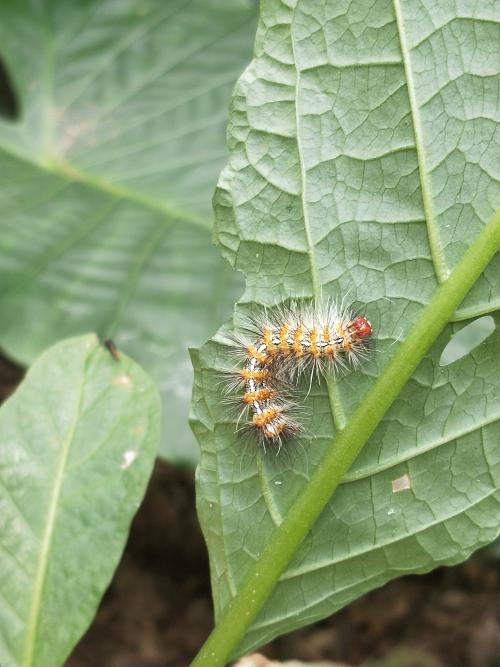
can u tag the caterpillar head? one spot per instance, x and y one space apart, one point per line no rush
361 327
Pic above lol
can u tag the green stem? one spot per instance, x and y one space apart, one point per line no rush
265 573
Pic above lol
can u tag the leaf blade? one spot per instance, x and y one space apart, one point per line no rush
351 163
79 441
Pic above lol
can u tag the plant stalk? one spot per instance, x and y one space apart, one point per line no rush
265 573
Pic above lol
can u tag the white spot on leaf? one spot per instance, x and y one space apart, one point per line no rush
122 381
401 484
128 458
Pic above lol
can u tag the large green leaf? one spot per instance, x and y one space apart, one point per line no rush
364 154
77 444
107 178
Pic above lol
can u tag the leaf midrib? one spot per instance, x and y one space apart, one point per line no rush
73 174
436 248
41 570
336 408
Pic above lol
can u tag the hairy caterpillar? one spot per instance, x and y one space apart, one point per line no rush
287 343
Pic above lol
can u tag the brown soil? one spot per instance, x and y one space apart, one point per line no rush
157 611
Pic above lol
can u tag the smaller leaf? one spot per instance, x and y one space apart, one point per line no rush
77 444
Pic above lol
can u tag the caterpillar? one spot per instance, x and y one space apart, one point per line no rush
289 342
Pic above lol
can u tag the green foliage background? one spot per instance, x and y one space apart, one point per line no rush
106 180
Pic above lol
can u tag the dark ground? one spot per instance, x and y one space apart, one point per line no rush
157 611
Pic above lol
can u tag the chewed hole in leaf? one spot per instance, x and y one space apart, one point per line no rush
9 103
467 339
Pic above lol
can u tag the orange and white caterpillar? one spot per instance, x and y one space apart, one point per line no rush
287 343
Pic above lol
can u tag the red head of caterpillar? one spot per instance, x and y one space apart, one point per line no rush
361 327
286 343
